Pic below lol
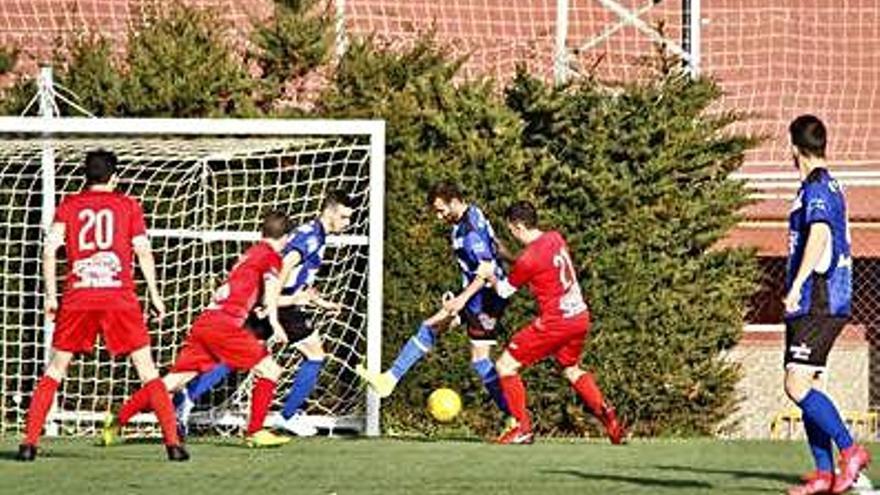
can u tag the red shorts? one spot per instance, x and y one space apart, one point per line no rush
562 339
124 329
218 338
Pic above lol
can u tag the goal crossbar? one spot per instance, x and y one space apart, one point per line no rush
53 138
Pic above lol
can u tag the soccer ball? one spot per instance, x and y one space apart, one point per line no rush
444 404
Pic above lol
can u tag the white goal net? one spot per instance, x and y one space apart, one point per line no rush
204 185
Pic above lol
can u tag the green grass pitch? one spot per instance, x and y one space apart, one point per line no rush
387 466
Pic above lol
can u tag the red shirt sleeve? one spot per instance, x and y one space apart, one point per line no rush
138 225
271 263
275 265
521 271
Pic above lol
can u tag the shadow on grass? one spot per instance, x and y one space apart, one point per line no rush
438 439
735 473
635 480
10 455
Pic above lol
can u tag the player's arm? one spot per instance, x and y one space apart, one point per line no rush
290 261
271 296
505 288
54 241
505 253
140 243
147 263
309 296
817 241
272 293
480 251
302 297
327 305
818 216
458 302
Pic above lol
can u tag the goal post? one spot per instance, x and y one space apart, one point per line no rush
203 184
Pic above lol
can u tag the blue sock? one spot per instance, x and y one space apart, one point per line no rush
303 383
820 445
817 407
486 370
204 382
415 349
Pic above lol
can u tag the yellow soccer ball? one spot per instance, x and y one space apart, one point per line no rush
444 404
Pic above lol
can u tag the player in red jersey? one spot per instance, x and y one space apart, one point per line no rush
560 329
99 229
218 335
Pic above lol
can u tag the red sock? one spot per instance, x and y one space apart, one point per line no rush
264 390
515 395
161 404
138 402
589 392
41 402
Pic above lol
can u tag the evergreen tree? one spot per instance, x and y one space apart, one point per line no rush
637 179
180 63
294 41
437 128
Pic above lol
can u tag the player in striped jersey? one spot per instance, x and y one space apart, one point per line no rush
303 256
477 306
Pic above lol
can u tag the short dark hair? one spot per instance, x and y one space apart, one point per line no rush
808 134
275 224
337 197
445 190
522 212
100 165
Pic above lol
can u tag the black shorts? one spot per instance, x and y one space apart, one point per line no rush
296 323
809 338
484 326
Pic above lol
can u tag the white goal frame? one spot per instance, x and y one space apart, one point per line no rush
45 129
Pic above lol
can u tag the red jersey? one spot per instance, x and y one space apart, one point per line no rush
238 295
100 228
545 265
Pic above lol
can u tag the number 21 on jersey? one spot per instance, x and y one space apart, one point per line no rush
572 301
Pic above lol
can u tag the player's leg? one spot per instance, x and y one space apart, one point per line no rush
823 424
481 316
41 402
159 401
267 373
808 342
139 402
292 417
191 358
521 351
822 450
515 397
224 339
821 446
125 332
176 381
584 385
203 383
482 364
185 398
411 353
75 332
568 355
798 385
